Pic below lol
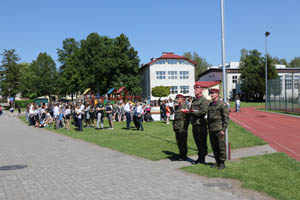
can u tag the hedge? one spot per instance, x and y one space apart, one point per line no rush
23 103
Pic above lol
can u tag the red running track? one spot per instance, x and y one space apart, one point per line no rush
280 131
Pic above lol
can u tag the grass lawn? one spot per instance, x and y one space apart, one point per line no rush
248 104
275 174
156 142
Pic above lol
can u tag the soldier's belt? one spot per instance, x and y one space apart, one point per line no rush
179 119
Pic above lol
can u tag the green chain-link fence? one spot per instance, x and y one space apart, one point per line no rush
284 93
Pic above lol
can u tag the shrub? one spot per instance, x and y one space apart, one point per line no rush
23 103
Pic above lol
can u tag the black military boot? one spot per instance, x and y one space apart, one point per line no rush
183 157
216 165
200 161
221 165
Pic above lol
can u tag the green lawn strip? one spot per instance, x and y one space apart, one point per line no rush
156 142
274 174
280 112
248 104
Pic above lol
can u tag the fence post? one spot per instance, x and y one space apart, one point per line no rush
292 91
285 93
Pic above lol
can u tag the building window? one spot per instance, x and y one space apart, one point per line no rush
182 62
162 61
296 82
234 79
288 82
172 74
160 75
184 74
184 89
174 89
172 61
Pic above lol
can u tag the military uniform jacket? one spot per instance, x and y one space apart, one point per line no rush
180 122
218 116
200 107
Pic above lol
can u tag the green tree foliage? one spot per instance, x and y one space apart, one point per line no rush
43 77
295 63
281 61
70 45
27 85
68 71
10 85
252 79
161 91
201 66
102 63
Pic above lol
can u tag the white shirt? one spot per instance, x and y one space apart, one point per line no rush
171 104
127 107
139 110
68 111
55 111
82 107
78 112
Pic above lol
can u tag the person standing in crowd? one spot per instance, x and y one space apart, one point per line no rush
79 117
237 104
60 118
180 127
109 110
1 110
135 116
168 114
218 118
140 113
11 111
198 110
127 109
87 116
55 115
100 114
163 111
19 110
171 107
67 117
31 115
93 115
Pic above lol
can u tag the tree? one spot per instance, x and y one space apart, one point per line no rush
252 77
161 91
104 63
10 85
281 61
295 63
70 45
27 88
68 73
201 66
44 75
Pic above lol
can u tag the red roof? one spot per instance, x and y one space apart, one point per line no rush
121 89
170 55
207 84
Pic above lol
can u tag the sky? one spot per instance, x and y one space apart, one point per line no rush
153 26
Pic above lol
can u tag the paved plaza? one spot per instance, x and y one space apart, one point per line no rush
39 164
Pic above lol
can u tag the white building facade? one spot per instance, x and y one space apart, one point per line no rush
171 70
233 76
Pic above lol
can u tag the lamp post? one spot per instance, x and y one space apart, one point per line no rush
266 55
224 71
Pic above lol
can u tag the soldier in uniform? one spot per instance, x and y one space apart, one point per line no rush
217 124
180 126
198 111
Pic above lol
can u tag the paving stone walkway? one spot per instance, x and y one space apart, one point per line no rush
36 164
